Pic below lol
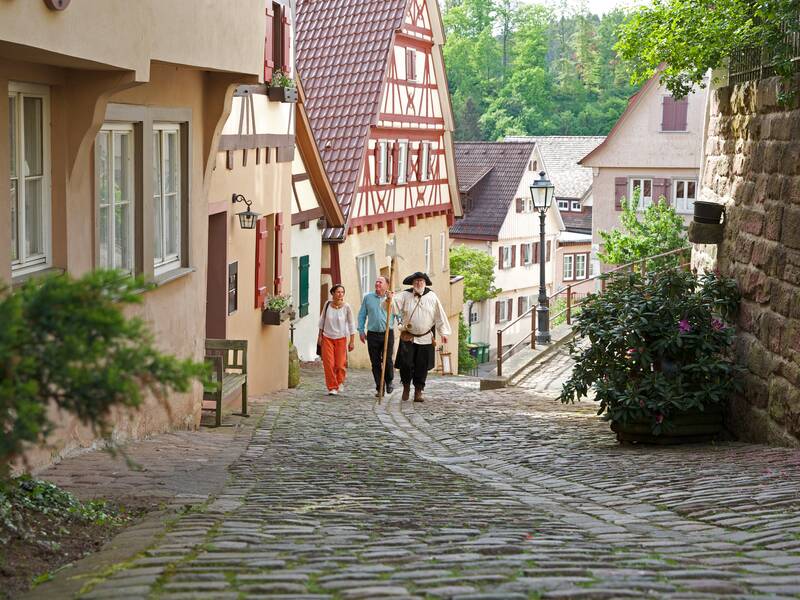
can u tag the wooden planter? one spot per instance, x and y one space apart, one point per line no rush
684 428
275 317
283 94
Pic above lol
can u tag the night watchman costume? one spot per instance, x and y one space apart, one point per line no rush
419 313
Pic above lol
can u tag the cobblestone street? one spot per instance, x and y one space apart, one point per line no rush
504 494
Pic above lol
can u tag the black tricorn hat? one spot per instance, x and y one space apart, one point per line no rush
418 275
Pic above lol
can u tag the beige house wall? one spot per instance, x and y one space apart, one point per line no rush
78 101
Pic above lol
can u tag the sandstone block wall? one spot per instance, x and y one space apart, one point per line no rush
752 165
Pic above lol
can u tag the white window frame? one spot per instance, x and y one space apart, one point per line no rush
28 264
383 162
527 259
526 304
638 182
112 127
171 261
563 204
476 314
568 274
425 158
683 204
575 206
580 274
506 257
365 265
503 317
428 248
443 250
402 161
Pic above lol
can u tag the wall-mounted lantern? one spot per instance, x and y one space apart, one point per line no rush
248 218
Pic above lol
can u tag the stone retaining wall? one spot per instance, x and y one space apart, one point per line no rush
753 166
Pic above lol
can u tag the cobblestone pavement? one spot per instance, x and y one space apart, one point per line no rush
474 495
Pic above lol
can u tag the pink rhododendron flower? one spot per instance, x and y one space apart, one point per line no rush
659 418
717 324
683 326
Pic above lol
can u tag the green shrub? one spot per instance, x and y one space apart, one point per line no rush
66 342
657 346
466 363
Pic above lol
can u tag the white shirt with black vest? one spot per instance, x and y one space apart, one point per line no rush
429 313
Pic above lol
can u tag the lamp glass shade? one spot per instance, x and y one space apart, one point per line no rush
542 191
247 219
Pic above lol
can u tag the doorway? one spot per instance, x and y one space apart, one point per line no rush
217 279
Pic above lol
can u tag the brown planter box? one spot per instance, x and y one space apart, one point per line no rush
275 317
683 428
283 94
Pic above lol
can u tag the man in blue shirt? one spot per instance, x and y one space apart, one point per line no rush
372 328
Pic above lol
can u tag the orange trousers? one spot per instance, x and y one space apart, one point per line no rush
334 361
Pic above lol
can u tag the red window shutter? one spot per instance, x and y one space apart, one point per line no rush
395 162
269 62
662 187
278 253
286 39
519 305
514 255
681 114
620 191
497 311
536 252
500 258
519 205
510 309
547 257
418 166
411 64
261 262
667 114
377 162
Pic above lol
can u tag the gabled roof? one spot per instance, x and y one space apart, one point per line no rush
579 222
342 53
501 166
633 101
561 155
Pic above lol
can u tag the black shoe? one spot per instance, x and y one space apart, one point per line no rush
389 388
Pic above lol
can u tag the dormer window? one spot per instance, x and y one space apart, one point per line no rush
563 204
575 206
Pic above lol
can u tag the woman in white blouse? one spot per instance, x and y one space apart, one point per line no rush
336 325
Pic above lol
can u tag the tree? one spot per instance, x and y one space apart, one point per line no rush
686 38
66 343
660 229
477 268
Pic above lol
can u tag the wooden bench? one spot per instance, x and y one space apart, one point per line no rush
228 359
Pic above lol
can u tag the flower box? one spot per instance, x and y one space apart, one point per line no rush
686 427
283 94
275 317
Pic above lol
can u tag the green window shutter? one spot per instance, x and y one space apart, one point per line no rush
303 268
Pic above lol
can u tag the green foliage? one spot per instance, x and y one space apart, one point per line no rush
688 37
466 363
477 268
278 302
66 343
520 69
656 347
281 80
657 230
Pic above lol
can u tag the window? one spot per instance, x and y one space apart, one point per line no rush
524 304
28 117
115 196
645 192
674 113
569 261
383 162
502 310
580 266
233 287
425 157
402 162
563 205
575 206
685 195
366 272
526 251
166 197
528 204
428 254
474 315
532 165
443 250
506 253
411 64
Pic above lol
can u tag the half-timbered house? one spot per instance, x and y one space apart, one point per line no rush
379 108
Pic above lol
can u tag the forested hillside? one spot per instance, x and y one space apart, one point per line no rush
523 69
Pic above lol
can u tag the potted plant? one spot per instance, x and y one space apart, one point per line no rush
276 310
657 357
282 88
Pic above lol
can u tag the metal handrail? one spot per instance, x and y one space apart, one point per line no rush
641 263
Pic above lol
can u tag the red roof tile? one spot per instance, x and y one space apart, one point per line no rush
342 59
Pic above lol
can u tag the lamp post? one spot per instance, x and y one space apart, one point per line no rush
542 194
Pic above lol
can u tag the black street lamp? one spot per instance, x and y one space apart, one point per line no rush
542 194
248 218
